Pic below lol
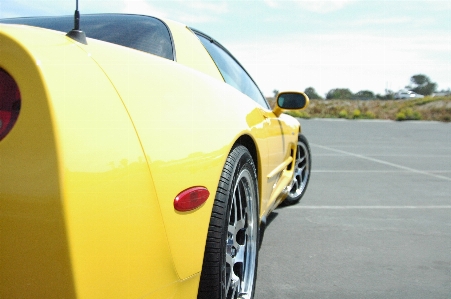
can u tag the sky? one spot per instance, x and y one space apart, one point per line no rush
291 45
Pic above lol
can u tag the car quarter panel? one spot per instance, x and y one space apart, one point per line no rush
79 213
187 123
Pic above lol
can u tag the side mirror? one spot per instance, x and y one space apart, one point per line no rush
290 100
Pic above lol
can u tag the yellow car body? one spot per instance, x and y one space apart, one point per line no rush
106 138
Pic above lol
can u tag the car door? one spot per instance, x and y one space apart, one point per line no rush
278 156
271 127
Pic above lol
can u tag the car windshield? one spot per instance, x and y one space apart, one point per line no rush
142 33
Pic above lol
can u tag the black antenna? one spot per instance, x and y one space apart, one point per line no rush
76 33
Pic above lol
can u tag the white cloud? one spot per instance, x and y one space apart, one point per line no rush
197 12
438 4
272 3
190 19
357 62
141 7
188 12
217 7
383 21
320 6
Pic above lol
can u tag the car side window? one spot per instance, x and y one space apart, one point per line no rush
232 72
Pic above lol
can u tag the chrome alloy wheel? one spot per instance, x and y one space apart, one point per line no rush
241 243
302 166
301 171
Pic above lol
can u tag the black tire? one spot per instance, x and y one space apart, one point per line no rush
302 168
231 253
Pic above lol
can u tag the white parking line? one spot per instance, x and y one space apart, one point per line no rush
382 162
368 207
375 171
388 155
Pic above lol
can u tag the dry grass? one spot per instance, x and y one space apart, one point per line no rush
428 108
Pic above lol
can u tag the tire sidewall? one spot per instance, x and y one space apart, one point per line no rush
212 283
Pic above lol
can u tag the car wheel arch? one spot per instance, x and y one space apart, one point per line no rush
251 146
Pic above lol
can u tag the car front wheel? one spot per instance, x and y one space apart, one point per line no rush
302 167
230 261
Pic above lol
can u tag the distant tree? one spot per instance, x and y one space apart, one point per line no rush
389 95
311 93
275 92
423 84
339 93
364 95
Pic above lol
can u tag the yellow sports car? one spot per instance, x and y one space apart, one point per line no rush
138 159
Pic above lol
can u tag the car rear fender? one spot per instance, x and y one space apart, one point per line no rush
187 123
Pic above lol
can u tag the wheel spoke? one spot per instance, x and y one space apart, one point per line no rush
241 250
300 159
301 170
239 225
296 183
231 230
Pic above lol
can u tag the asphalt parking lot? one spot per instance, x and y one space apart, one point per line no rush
375 221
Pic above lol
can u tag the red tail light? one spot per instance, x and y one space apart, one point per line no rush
9 103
